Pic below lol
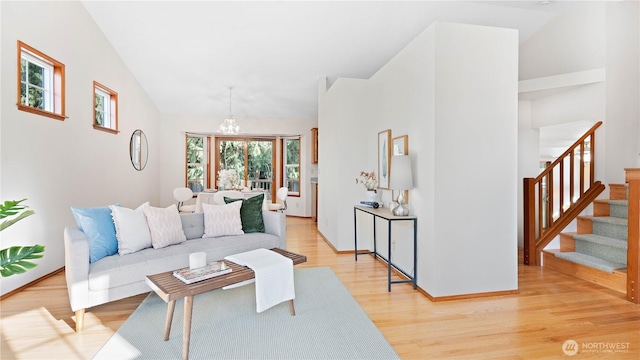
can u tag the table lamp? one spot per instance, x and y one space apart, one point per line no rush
401 179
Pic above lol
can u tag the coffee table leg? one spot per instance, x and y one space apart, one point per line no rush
292 309
167 325
186 332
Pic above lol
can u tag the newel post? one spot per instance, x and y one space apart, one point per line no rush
529 214
632 177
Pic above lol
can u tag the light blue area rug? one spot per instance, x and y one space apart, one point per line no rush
329 324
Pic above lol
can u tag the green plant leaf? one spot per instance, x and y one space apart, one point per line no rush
13 259
5 224
11 207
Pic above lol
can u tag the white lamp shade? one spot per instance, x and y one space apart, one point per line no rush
401 175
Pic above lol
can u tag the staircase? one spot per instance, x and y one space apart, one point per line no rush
597 251
605 249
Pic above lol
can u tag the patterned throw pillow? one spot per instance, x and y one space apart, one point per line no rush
165 226
250 213
221 220
132 230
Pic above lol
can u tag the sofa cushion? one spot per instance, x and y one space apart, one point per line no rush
132 230
221 220
250 213
114 271
98 225
193 225
164 225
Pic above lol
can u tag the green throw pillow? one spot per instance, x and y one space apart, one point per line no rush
250 213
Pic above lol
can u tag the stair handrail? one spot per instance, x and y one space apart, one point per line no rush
540 227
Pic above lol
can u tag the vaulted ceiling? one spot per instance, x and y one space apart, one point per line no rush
186 54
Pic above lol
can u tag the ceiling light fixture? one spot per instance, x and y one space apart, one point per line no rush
229 126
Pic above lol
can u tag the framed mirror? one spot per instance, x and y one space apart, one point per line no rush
138 150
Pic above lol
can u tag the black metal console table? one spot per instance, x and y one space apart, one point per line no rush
385 214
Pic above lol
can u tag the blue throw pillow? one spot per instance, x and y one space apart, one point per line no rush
97 224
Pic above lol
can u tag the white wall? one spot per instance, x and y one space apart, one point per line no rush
622 89
58 164
528 157
584 103
172 151
453 90
476 160
572 41
593 35
345 137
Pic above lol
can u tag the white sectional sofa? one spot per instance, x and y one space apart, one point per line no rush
119 276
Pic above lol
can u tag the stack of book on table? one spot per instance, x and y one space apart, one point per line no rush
212 269
371 204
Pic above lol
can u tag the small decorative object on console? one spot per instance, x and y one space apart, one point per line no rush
372 204
213 269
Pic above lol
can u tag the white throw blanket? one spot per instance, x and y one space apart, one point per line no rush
274 276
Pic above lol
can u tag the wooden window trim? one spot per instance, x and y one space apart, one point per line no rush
113 103
58 84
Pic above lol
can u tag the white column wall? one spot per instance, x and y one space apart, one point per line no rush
344 150
476 123
59 164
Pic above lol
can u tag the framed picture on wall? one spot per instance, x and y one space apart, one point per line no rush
384 158
400 147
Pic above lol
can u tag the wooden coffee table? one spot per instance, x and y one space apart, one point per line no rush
170 289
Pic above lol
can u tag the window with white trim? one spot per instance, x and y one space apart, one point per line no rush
105 110
291 168
40 83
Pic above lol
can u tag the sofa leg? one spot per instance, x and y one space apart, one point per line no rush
79 320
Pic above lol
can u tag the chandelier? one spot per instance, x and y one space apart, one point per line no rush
229 126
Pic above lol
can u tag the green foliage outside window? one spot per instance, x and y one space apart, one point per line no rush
99 110
195 160
34 96
260 157
292 165
232 156
293 158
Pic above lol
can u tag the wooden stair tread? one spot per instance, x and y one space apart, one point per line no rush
590 261
602 240
616 281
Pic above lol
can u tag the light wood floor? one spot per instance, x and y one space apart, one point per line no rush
551 308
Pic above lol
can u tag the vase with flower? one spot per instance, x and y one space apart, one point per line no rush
228 179
370 182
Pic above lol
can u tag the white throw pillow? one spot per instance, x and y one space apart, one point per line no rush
221 220
165 226
132 230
